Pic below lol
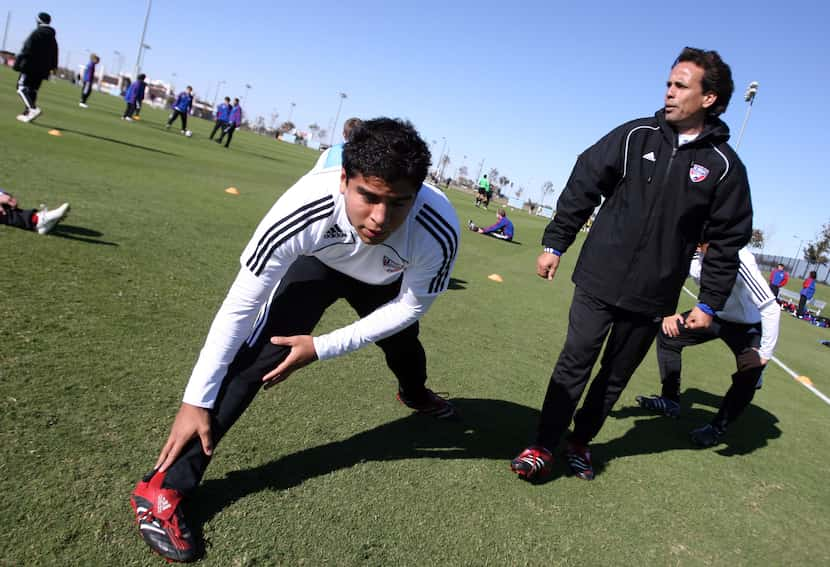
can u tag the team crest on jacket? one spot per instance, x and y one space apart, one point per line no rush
391 265
698 173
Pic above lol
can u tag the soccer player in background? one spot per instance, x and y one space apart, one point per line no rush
333 157
662 178
88 78
234 122
37 58
222 113
370 233
181 107
748 324
133 97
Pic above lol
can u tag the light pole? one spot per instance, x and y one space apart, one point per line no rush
291 112
749 96
337 117
216 94
120 59
146 47
247 88
173 81
6 32
440 158
141 44
797 252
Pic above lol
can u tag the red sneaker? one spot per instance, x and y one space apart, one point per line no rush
534 463
160 520
579 460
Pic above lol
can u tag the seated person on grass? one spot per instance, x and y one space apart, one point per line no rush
503 229
41 221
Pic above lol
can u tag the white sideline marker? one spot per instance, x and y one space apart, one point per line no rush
803 380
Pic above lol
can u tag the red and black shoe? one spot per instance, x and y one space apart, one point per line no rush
579 460
534 463
160 519
433 405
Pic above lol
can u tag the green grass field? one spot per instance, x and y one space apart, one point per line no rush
101 322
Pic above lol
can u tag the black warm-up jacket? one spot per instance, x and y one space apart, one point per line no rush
658 197
39 54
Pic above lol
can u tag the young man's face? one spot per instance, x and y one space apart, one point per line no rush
685 102
375 208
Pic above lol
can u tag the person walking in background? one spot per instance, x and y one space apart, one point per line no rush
37 58
483 190
223 112
41 221
88 78
234 122
778 279
808 290
663 179
133 97
181 107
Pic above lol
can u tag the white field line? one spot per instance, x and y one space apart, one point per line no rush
803 380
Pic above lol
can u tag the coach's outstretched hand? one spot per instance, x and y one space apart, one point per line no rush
302 354
546 265
190 422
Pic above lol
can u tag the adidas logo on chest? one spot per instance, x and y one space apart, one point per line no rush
334 232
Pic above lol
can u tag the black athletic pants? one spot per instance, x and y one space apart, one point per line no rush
741 339
85 90
589 323
18 218
307 290
775 289
27 87
229 130
130 110
802 305
176 114
220 124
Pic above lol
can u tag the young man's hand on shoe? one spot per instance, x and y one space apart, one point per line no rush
191 421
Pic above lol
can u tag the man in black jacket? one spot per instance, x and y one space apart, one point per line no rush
662 179
37 58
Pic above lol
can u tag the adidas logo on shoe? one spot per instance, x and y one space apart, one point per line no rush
334 232
162 504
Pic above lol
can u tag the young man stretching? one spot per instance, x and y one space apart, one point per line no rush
371 234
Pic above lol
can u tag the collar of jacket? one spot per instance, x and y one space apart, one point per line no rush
715 130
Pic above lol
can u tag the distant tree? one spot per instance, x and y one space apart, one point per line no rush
445 161
286 127
757 239
493 174
816 253
463 171
519 191
322 133
503 181
314 128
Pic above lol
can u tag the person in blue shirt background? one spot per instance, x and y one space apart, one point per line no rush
223 111
503 229
181 107
234 122
333 157
807 292
89 76
134 96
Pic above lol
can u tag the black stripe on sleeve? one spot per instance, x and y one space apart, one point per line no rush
761 292
274 230
285 234
441 228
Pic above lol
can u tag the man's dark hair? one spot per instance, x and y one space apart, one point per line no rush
781 266
390 149
717 76
813 274
141 76
227 99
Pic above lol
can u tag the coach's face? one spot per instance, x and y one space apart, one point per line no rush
686 103
375 208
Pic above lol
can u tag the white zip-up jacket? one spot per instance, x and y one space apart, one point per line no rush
310 220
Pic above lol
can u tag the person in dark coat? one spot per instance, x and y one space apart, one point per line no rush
37 58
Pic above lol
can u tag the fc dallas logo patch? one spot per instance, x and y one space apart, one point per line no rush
391 265
698 173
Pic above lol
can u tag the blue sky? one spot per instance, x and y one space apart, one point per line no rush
524 86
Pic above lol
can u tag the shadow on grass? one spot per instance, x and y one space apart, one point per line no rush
106 139
489 429
79 233
655 434
455 283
